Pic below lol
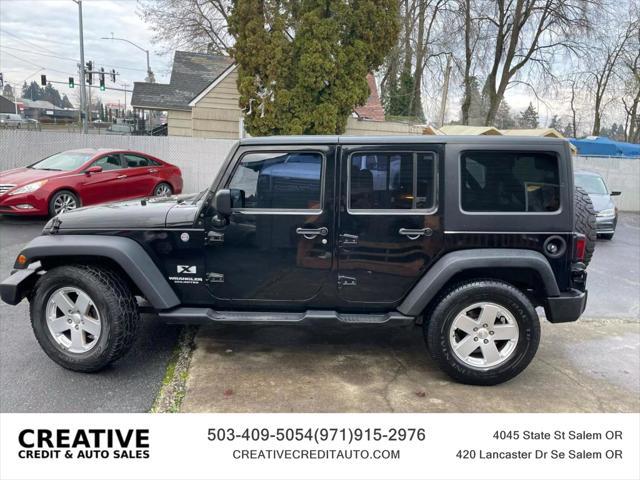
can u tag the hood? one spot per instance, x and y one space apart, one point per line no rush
601 202
139 214
22 176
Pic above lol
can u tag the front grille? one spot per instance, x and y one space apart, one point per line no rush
4 188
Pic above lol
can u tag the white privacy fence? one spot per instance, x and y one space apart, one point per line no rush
619 173
200 158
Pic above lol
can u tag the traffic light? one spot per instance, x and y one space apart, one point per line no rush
43 80
71 82
102 87
89 74
113 75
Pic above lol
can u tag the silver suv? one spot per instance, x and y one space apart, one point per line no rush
12 120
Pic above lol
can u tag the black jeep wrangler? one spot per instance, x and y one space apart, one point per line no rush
467 235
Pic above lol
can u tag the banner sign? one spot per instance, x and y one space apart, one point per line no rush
319 446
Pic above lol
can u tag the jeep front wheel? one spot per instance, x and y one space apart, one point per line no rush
483 332
84 317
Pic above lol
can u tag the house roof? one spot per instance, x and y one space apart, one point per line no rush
43 104
468 130
372 110
534 132
191 73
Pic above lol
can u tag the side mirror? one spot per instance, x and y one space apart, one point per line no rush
227 199
615 193
94 169
222 202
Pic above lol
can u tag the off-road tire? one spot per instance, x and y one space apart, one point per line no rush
585 221
116 304
436 330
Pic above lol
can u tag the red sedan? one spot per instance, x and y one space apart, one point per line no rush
75 178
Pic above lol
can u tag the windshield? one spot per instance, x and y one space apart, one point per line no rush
64 161
592 184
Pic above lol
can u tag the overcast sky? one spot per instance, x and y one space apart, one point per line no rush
34 33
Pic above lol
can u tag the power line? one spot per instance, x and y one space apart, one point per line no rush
34 64
55 55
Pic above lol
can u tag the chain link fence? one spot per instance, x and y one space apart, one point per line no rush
198 158
201 158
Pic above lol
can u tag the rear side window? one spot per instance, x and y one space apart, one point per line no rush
134 161
501 181
392 181
282 181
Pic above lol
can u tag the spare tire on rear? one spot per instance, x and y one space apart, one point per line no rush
585 221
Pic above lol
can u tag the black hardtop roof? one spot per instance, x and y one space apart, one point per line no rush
404 139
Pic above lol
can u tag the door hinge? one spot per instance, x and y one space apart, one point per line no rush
344 281
348 239
214 237
213 277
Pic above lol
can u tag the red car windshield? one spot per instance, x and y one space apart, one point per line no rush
64 161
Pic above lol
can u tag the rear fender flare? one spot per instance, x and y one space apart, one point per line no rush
456 262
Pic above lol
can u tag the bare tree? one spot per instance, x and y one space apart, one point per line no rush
528 33
603 61
193 24
631 76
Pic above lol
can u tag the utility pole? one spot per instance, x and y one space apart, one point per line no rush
83 94
150 77
445 90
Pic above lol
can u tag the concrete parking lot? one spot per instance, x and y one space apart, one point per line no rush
30 382
593 365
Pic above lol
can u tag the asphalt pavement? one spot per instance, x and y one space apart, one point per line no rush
30 382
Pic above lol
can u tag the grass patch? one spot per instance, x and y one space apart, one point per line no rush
174 383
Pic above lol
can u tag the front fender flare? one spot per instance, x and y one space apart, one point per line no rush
127 253
456 262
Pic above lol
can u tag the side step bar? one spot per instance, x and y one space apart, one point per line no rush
185 315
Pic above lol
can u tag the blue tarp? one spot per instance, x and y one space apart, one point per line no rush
606 147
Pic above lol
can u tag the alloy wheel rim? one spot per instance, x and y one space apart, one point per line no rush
73 320
162 190
64 203
484 335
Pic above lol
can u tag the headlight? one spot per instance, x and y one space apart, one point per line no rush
610 212
32 187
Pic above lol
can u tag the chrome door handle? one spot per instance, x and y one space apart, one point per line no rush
415 233
121 176
153 170
311 233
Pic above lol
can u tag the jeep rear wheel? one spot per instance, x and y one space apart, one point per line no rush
483 332
84 317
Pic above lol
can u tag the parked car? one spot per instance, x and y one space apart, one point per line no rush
12 120
606 210
74 178
467 236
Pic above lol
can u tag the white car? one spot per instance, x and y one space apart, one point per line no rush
12 120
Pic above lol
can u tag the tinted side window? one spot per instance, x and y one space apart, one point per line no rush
279 180
509 182
133 161
392 181
110 162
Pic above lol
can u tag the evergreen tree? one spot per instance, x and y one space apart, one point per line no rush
32 91
555 123
477 107
66 103
528 118
398 99
504 119
302 66
7 91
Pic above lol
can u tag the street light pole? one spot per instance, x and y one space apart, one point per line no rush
83 93
150 77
